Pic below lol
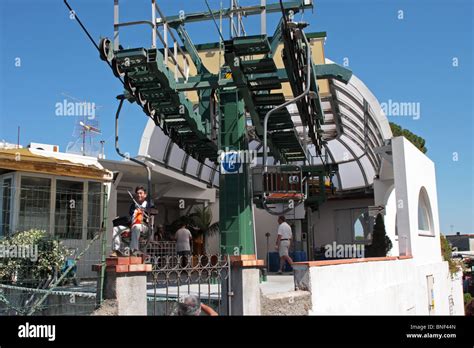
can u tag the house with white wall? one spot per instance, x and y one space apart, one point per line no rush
62 194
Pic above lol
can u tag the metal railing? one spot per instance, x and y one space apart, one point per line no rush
175 276
161 248
173 53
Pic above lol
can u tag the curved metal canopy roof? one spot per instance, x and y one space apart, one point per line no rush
354 126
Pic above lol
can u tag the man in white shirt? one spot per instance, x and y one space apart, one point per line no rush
283 242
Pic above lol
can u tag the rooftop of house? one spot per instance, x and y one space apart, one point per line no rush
52 162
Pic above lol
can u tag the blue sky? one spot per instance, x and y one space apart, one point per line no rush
403 60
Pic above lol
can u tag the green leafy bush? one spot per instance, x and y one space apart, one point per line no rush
50 257
416 140
447 253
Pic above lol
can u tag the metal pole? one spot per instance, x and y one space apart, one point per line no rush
116 22
165 36
305 144
83 142
268 250
175 55
263 17
267 116
117 149
104 248
102 142
239 21
153 19
231 16
230 293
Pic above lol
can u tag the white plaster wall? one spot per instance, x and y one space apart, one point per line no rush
389 220
396 287
444 286
412 171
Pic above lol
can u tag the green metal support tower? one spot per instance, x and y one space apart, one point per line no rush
158 80
235 200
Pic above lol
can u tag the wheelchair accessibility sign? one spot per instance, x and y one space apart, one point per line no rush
231 162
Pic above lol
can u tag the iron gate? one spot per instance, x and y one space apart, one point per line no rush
172 277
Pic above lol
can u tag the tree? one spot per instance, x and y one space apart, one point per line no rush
202 219
381 243
416 140
200 224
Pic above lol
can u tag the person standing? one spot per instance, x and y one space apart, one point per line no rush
160 234
183 240
283 242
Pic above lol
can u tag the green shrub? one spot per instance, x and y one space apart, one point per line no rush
448 256
381 243
51 255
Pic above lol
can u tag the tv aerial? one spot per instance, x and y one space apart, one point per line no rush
86 128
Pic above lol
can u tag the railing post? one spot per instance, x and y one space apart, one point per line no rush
165 37
263 18
116 27
175 55
153 19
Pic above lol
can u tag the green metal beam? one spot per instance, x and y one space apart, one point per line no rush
147 71
294 6
240 81
204 94
211 81
215 45
191 49
332 71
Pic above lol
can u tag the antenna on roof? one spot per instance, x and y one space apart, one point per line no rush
86 127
